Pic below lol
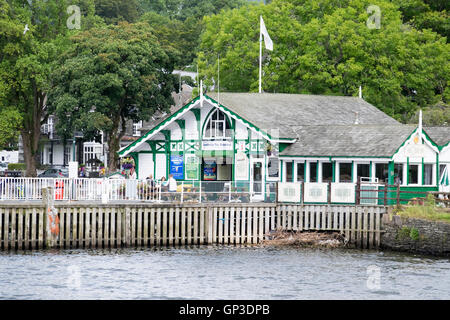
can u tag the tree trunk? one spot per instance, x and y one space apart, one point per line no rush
114 137
113 156
30 154
31 131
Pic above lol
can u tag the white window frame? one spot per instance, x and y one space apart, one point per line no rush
89 153
136 127
213 124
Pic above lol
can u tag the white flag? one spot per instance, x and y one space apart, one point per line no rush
267 40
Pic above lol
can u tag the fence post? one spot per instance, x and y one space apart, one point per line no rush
276 192
229 192
209 226
303 192
51 226
385 193
358 192
329 193
200 192
398 195
182 191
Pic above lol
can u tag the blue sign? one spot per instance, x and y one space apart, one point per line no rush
177 167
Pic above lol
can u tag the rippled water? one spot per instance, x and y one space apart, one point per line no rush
221 272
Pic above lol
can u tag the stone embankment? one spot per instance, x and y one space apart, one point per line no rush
415 235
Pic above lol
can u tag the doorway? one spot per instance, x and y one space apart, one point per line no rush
257 186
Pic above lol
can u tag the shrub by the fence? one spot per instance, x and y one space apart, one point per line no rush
17 166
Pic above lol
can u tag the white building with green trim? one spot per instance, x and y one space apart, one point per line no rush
260 139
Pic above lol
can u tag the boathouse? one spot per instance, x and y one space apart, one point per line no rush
260 139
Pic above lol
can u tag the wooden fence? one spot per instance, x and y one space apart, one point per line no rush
108 226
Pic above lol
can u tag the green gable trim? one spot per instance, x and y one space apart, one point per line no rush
159 126
427 137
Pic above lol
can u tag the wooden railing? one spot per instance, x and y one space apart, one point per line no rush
394 195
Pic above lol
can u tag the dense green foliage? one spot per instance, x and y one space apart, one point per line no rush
109 76
114 11
326 48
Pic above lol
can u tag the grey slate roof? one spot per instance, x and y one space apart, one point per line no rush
283 111
440 135
348 140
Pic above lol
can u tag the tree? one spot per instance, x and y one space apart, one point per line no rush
184 9
179 22
327 48
427 14
10 120
113 11
27 58
111 75
181 36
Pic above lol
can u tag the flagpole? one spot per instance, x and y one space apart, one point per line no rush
260 54
218 79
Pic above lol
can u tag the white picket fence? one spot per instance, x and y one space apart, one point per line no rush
84 189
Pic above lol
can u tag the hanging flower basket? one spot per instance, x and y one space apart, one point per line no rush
127 164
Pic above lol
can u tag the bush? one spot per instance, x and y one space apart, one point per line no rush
17 166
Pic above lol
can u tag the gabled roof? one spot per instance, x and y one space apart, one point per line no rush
440 135
349 140
283 111
288 113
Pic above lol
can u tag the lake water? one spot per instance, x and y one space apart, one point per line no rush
222 272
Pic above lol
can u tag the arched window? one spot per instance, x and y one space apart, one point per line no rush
217 126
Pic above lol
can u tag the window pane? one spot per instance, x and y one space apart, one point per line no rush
413 174
300 172
363 170
272 167
313 172
345 172
398 173
220 127
289 175
428 174
441 169
327 172
381 172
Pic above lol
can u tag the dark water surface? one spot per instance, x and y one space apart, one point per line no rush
222 272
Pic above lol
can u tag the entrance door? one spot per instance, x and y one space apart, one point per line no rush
257 185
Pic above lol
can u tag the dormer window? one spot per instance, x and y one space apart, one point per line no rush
217 126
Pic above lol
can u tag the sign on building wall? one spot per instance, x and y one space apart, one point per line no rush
316 192
217 145
241 166
343 193
289 192
192 164
210 170
177 167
